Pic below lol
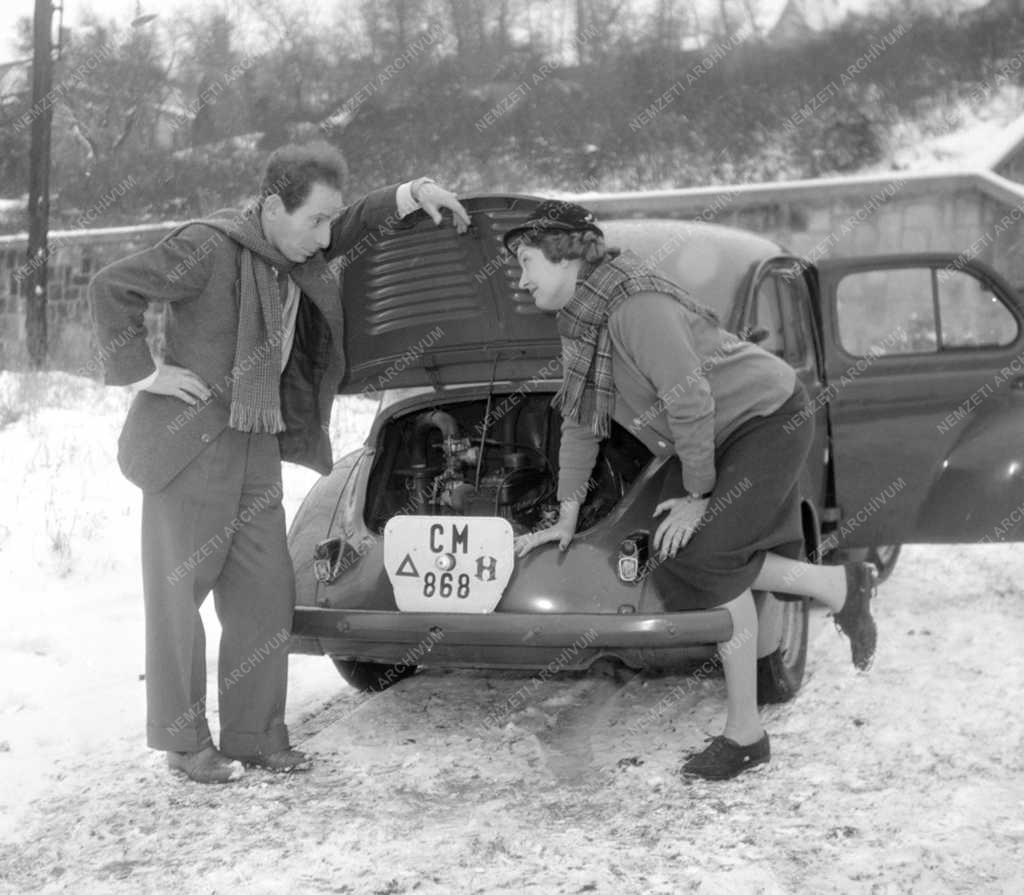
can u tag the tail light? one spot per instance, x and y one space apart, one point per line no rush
633 553
331 558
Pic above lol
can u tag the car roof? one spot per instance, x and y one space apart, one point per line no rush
710 261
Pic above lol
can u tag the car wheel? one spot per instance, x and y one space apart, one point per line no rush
780 673
884 556
372 677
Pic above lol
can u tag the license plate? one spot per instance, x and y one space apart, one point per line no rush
448 563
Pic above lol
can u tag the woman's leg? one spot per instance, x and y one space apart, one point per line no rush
826 584
847 590
743 744
739 662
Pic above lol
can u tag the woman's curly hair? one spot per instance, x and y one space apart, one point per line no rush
587 245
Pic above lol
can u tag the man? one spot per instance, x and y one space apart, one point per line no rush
253 359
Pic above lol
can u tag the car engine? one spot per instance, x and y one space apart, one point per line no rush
493 457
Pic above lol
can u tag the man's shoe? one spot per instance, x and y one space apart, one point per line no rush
725 759
854 619
205 766
284 761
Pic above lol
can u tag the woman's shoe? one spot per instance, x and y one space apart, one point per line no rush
855 619
205 766
725 759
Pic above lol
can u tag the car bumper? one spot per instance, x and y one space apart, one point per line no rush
508 639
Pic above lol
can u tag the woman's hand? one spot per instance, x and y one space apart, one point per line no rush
676 529
562 531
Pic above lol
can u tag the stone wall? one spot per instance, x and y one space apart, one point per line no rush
75 256
977 214
959 213
962 221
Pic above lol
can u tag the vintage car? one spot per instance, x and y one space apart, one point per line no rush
404 553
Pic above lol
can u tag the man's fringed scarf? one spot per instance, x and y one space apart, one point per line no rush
256 371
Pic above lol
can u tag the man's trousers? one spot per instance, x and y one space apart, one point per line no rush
219 526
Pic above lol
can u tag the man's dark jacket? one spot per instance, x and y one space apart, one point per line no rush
196 272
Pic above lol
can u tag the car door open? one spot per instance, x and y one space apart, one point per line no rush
924 362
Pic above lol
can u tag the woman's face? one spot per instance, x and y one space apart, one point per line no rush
550 283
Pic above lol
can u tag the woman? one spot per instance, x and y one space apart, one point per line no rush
637 349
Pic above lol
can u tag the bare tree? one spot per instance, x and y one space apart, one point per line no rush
104 110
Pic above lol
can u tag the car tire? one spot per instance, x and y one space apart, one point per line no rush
884 556
372 677
780 673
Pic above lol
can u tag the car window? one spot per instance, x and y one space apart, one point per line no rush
780 313
918 310
794 302
767 317
971 314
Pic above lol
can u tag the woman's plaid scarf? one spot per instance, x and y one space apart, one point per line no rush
587 394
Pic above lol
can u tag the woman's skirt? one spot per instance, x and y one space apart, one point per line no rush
754 508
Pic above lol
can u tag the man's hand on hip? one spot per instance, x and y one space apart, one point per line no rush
179 382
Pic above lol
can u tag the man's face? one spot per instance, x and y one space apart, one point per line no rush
551 283
301 233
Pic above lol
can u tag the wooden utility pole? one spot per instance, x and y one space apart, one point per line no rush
34 284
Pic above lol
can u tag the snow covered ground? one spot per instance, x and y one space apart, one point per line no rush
909 779
962 135
71 648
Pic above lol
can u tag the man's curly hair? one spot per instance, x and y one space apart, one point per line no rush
292 170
